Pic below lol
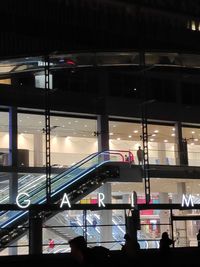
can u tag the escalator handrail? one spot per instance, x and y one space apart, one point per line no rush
85 160
80 175
37 190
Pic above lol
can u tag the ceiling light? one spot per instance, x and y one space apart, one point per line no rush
85 125
114 126
151 139
173 129
56 119
196 139
156 131
153 134
40 122
111 133
130 136
136 131
76 121
165 140
192 144
118 138
63 126
193 132
69 122
173 134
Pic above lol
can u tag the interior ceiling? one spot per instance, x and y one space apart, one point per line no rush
79 127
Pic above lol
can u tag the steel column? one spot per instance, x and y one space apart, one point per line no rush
47 131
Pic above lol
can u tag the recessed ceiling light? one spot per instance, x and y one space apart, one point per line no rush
40 122
165 140
136 131
76 121
153 134
114 125
151 139
173 134
20 120
129 136
111 133
173 129
69 122
156 131
193 132
118 138
85 125
63 126
192 144
196 139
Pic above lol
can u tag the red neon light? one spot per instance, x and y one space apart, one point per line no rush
70 62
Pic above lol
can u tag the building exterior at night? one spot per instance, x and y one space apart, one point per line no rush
91 95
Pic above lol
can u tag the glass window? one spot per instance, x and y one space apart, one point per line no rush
72 139
192 145
4 138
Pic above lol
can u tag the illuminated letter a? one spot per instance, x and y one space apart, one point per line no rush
65 200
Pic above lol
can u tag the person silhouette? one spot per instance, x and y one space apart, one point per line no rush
131 246
198 239
165 242
140 155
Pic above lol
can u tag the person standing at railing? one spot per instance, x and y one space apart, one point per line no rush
140 155
126 158
129 158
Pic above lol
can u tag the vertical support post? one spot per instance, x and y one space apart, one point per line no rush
103 130
172 226
35 233
47 131
13 154
181 146
85 224
38 144
145 132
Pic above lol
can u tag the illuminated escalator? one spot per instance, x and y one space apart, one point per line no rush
78 181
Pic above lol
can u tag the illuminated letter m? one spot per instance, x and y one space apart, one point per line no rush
187 201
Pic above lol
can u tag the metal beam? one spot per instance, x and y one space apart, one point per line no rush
47 131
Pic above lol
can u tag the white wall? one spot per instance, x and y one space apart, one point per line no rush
68 150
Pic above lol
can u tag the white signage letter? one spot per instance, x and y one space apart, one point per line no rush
101 197
187 201
26 202
132 200
65 200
